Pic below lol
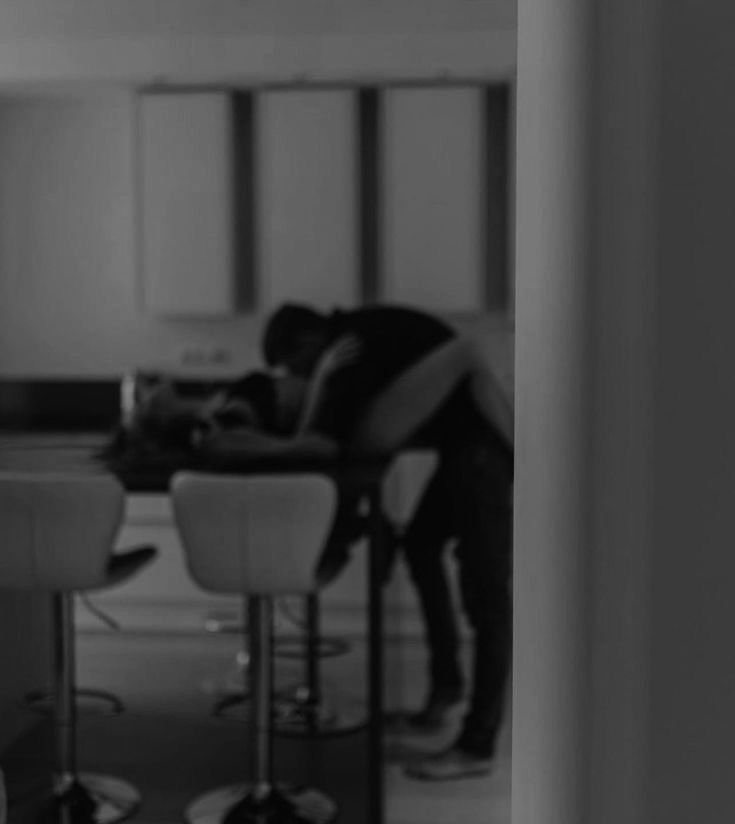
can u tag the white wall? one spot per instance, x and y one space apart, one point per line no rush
221 40
69 289
693 566
551 481
625 673
586 327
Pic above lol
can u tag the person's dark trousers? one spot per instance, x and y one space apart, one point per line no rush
424 542
350 525
481 474
469 497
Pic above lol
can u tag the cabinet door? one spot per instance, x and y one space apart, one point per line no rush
307 197
433 191
186 184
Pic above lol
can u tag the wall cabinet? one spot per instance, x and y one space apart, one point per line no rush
187 229
328 196
307 197
432 190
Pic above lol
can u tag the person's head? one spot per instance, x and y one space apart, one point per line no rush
256 402
290 395
295 337
274 402
163 416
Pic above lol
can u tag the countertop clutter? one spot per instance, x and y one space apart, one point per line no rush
51 451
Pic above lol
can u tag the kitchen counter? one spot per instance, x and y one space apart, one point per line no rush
34 450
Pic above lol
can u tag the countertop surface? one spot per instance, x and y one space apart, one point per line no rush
28 439
51 451
59 451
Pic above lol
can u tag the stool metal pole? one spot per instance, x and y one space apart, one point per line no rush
379 546
306 712
261 669
99 701
64 665
312 652
86 797
262 801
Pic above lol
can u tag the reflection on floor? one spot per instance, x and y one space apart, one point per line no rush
172 748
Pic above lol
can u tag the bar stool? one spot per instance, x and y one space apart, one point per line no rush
300 710
268 531
305 709
57 533
100 702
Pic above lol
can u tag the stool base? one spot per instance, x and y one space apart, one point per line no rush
230 706
88 701
296 715
290 647
93 799
234 706
284 804
303 715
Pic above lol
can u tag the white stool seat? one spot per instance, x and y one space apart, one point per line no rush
259 536
57 533
267 530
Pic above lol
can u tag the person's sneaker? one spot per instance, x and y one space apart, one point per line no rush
435 714
331 563
349 528
449 765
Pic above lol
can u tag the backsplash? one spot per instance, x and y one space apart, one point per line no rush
58 404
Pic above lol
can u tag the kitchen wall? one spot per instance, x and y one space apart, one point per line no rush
70 291
211 40
70 305
70 296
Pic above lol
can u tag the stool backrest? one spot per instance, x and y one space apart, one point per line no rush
253 535
57 531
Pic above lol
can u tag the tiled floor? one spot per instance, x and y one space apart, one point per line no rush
170 746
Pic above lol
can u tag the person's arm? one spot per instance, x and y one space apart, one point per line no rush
250 444
492 400
343 352
412 398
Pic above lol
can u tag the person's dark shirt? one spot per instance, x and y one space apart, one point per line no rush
258 390
392 338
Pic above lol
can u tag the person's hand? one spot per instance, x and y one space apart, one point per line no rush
343 352
214 404
156 401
